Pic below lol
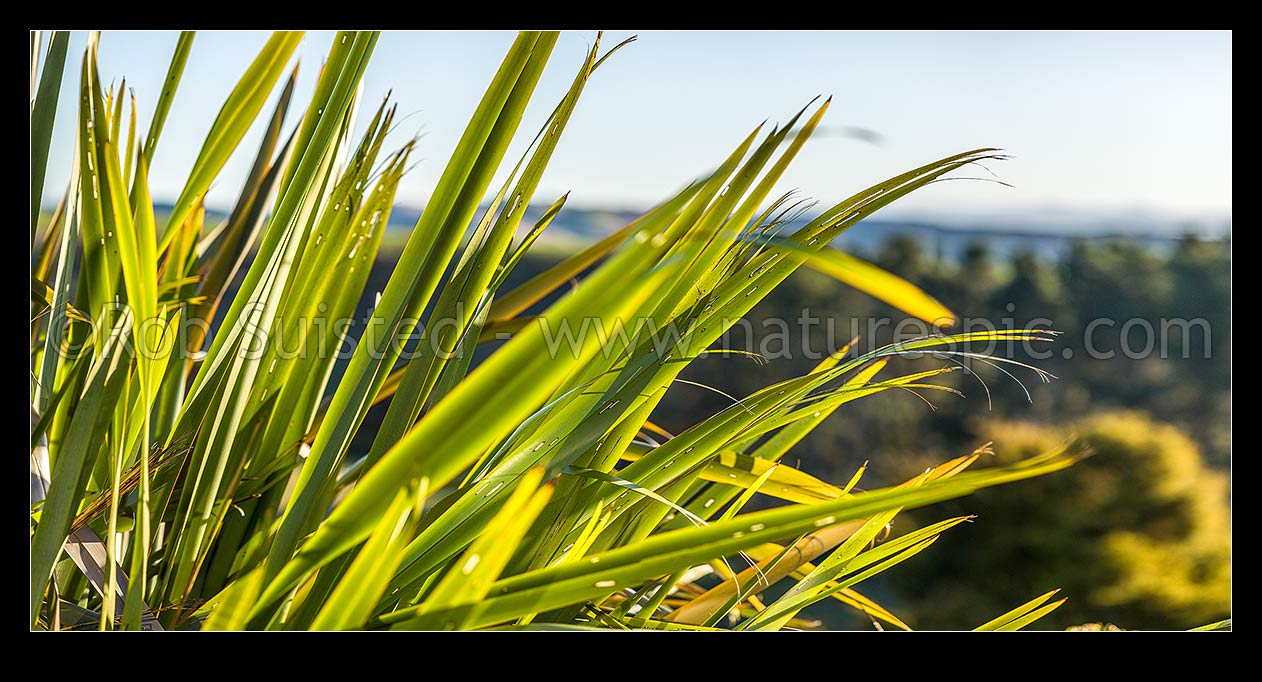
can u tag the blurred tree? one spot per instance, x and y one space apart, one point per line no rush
905 255
1138 534
1200 271
1035 290
975 282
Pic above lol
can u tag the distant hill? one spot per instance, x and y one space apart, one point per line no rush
1049 233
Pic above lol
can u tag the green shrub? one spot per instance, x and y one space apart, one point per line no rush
1138 534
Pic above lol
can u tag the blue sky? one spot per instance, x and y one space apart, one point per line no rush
1096 121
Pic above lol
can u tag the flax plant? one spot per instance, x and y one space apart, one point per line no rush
205 479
